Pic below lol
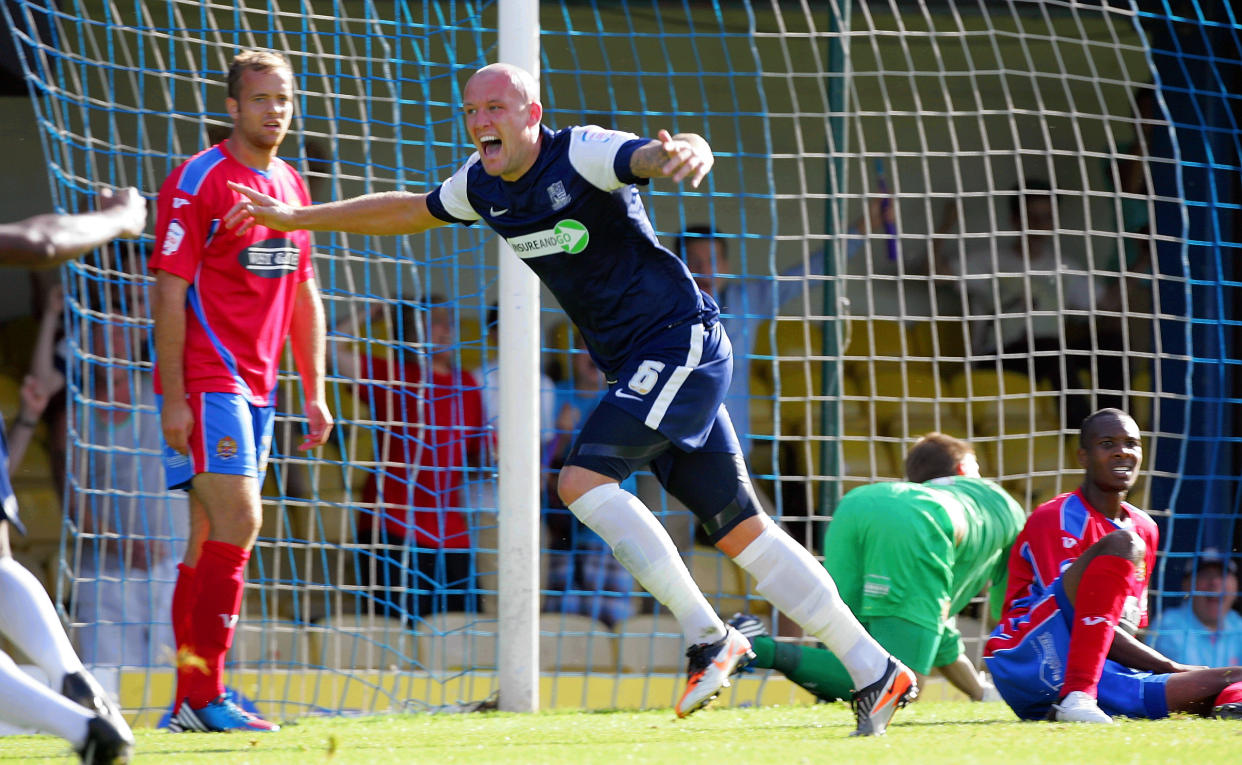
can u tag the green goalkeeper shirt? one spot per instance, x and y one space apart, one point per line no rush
921 552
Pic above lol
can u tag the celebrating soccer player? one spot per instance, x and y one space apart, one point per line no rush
225 300
566 202
1078 574
82 713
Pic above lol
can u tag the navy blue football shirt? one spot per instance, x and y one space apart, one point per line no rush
577 219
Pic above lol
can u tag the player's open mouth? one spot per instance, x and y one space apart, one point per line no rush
489 145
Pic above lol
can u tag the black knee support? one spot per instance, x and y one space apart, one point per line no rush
714 485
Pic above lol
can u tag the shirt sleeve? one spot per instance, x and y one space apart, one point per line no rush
1051 546
179 230
450 201
603 156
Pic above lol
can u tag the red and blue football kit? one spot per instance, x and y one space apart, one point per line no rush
1026 653
242 286
239 306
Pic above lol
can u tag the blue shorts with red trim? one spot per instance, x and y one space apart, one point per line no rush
231 436
1030 674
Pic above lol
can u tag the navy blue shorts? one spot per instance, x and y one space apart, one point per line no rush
676 384
669 415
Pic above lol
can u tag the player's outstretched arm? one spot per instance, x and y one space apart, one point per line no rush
385 213
43 241
681 156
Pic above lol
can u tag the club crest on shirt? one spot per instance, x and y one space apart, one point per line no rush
226 448
173 237
558 195
270 258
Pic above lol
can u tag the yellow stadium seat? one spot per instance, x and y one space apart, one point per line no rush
719 578
651 643
269 642
10 397
454 641
865 461
1032 468
798 357
904 396
1005 402
873 337
361 642
950 339
576 643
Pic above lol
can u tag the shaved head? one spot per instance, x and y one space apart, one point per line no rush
519 79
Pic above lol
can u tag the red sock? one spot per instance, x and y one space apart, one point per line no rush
185 593
221 578
1097 610
1231 695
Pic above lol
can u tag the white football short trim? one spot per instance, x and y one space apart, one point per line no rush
677 378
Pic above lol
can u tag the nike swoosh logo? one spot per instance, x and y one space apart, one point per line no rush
893 696
497 213
623 394
723 662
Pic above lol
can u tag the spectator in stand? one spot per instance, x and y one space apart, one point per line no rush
133 535
747 303
1028 299
1205 630
583 575
431 430
483 492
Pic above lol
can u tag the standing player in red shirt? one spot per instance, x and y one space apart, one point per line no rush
1078 572
224 304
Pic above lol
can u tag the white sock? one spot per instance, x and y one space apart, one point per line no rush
645 549
31 622
790 578
29 704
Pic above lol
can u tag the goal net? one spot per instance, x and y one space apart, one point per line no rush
982 218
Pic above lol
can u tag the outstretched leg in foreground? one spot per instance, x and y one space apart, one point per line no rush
644 547
716 487
83 714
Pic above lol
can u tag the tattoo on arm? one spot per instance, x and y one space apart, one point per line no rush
648 161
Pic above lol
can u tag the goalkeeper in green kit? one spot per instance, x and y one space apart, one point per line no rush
906 556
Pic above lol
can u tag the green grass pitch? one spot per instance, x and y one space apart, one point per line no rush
926 732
